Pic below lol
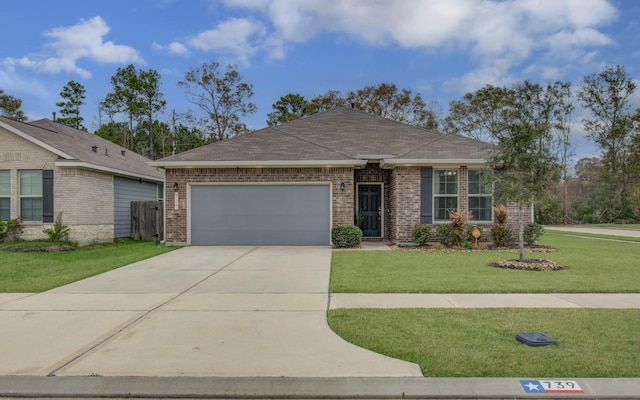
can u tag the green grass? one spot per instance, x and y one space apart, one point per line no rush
36 272
481 342
594 266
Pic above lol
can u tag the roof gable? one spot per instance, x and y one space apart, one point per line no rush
75 149
342 134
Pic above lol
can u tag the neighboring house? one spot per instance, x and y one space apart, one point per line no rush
290 184
46 168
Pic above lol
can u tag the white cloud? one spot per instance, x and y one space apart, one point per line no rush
16 85
234 37
480 77
500 35
85 40
175 48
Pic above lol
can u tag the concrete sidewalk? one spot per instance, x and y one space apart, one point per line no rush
524 300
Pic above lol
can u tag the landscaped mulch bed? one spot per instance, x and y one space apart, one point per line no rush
532 264
536 248
36 247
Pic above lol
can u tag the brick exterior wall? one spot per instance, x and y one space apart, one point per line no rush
402 187
404 194
176 213
404 206
463 189
84 197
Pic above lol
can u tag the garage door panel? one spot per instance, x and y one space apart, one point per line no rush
260 215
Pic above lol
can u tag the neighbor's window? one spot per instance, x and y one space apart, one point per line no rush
480 194
445 193
31 195
5 192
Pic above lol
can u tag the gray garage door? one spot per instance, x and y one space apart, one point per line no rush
260 215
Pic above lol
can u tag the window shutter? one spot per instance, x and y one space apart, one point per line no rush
47 195
426 196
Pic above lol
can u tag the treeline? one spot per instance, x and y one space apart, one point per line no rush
130 114
605 188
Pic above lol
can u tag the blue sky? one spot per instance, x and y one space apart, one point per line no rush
438 48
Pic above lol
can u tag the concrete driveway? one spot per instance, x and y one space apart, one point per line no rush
196 311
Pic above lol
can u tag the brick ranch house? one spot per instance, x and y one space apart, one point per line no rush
290 184
46 167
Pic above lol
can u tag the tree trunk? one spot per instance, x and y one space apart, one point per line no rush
566 203
521 231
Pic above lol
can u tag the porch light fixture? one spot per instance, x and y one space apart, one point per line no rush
342 186
175 186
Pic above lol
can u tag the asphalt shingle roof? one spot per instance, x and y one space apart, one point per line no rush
78 145
339 134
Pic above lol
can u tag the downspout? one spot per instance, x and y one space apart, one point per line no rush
533 215
164 209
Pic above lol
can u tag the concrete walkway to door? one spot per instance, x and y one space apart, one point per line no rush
196 311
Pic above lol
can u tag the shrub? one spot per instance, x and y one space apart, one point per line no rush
346 236
11 229
458 229
59 232
501 235
533 232
501 214
466 244
421 234
442 232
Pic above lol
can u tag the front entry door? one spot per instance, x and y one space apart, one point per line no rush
370 205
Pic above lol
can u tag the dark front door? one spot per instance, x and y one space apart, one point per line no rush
370 204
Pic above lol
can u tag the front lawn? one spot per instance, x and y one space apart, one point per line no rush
34 272
594 266
481 342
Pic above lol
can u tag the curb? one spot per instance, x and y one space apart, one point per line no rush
300 388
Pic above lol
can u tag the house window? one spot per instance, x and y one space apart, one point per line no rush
480 194
445 193
160 190
5 192
31 195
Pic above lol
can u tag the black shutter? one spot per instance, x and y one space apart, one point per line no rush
47 195
426 196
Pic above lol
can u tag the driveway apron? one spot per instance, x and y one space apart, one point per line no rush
196 311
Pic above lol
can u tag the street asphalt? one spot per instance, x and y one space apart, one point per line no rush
237 322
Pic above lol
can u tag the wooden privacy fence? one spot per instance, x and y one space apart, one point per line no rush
147 220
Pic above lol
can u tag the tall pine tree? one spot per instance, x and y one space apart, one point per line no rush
73 95
10 107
